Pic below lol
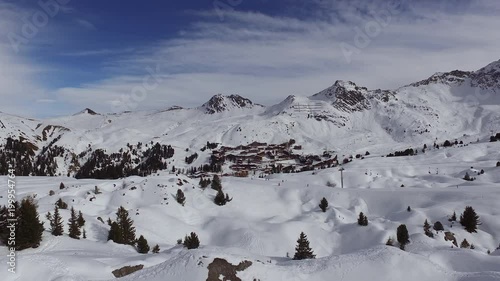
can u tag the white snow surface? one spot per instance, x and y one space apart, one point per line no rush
263 221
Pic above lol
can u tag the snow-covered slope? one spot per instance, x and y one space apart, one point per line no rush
263 221
344 117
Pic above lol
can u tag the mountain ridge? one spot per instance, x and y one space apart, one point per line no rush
344 117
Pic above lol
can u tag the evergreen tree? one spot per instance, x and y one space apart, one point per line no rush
362 219
4 231
302 250
156 249
191 241
29 229
204 182
403 236
74 227
427 229
323 205
61 204
216 184
438 226
122 231
61 186
181 199
81 220
114 233
220 199
469 219
142 245
453 217
56 222
465 244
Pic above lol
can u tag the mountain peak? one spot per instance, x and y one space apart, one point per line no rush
87 111
345 96
221 103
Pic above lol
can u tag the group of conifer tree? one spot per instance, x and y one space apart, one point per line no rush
76 222
220 198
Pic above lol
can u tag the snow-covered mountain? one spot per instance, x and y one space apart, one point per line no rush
345 118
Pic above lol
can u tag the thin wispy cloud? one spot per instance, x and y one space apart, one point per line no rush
85 24
99 52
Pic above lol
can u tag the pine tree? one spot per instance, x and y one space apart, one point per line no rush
403 236
181 199
81 220
192 241
61 186
142 245
362 219
323 205
29 229
427 229
302 250
216 184
438 226
124 232
204 182
156 249
4 231
469 219
114 232
61 204
453 217
74 227
465 244
56 222
220 199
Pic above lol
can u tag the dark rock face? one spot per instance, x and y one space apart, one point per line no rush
487 77
126 270
222 267
221 103
345 96
452 77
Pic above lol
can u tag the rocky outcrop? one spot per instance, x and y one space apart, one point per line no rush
221 103
222 267
126 270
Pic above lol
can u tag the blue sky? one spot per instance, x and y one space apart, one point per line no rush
99 54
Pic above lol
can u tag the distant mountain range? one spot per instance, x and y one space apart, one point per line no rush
345 118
